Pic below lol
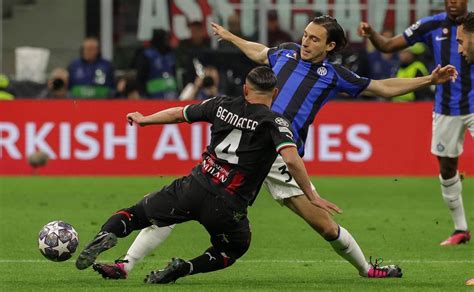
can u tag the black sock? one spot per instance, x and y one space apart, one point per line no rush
211 260
119 224
124 221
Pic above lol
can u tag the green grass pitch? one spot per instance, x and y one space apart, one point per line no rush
402 220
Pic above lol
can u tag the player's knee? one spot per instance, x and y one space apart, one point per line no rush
240 249
322 223
448 172
329 232
230 256
132 218
448 168
139 218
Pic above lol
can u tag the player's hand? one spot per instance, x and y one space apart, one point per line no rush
331 208
443 74
365 30
198 82
221 32
136 118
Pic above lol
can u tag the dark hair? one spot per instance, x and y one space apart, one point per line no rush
197 23
272 15
262 78
161 40
467 21
335 33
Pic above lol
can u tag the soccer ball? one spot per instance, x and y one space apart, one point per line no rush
57 241
38 159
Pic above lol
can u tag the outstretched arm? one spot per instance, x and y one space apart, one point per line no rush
397 86
168 116
254 51
298 171
381 43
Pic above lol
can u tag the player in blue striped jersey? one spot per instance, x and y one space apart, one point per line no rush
306 81
453 111
465 38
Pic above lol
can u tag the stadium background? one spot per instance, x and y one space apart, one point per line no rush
399 214
348 138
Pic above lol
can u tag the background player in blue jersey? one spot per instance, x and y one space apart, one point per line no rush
306 81
454 102
465 38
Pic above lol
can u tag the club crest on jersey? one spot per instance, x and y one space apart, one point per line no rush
282 122
322 71
445 30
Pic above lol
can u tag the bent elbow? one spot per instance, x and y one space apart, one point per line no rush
386 49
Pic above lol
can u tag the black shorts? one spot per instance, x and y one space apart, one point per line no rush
185 199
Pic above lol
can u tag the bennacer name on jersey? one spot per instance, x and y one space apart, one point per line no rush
235 120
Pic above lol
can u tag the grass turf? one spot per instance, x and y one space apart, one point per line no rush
402 220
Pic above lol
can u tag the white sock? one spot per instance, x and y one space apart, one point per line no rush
451 189
346 246
145 242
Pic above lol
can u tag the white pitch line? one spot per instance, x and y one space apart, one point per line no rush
295 261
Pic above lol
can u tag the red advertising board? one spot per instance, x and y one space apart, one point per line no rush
93 138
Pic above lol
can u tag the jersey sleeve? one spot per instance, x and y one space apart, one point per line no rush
275 52
349 82
281 133
201 112
419 31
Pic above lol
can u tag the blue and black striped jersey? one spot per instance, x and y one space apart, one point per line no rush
438 32
304 87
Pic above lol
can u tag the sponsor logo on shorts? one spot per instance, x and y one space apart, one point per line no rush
440 147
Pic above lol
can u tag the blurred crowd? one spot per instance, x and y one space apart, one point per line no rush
192 70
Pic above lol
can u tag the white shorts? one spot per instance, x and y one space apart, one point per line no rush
280 183
448 134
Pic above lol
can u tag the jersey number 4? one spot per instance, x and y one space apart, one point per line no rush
227 149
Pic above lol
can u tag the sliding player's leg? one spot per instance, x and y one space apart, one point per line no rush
157 207
146 241
121 224
230 238
284 189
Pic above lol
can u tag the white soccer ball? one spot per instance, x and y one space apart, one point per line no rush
57 241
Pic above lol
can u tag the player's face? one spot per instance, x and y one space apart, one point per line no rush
313 44
455 8
465 44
